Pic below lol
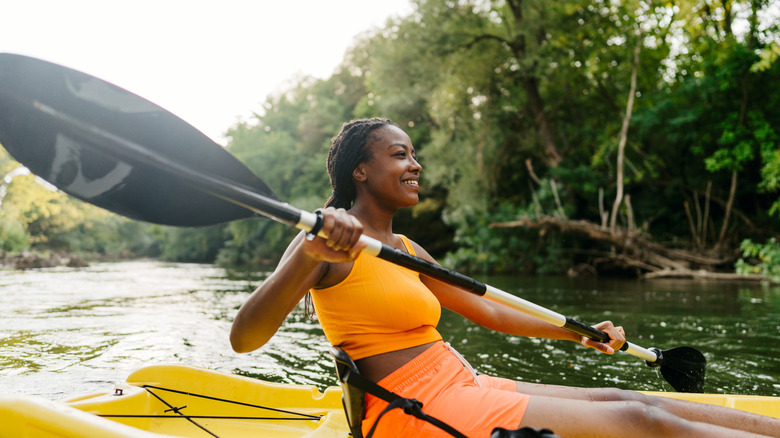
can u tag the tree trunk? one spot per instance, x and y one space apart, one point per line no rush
531 86
743 109
729 207
624 133
536 104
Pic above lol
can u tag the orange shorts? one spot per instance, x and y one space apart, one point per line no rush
448 392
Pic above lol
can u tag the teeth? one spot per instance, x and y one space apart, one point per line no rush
410 182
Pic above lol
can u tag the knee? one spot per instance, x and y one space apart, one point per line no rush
652 419
615 394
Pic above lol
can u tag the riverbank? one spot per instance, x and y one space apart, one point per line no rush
37 260
632 252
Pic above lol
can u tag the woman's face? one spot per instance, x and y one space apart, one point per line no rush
392 173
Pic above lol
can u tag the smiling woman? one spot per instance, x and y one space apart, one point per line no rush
393 167
349 159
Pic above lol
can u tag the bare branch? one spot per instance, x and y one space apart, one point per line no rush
624 132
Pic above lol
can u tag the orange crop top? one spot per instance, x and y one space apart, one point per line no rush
380 307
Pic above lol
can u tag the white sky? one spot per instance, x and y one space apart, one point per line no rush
212 63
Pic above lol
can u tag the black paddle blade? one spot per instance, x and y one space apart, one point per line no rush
683 368
48 118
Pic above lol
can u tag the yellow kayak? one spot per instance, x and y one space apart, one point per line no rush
176 400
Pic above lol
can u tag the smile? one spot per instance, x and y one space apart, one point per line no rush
411 182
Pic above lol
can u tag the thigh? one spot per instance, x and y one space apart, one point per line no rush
570 392
581 418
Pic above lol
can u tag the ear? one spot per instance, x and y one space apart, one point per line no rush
359 174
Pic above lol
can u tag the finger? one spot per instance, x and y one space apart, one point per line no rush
340 229
353 229
600 346
346 237
605 348
615 333
335 237
328 221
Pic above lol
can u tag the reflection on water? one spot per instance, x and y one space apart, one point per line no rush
65 332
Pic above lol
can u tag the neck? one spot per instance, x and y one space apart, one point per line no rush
377 223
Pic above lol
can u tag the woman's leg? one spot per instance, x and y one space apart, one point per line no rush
715 415
568 417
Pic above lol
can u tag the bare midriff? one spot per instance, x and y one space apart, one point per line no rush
376 368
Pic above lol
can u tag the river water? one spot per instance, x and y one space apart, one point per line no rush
67 332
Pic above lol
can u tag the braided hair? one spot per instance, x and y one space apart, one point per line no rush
347 151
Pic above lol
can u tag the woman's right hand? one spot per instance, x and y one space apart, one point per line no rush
343 243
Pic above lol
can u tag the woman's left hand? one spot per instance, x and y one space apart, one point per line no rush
617 337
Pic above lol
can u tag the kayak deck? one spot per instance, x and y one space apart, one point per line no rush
176 400
757 404
186 401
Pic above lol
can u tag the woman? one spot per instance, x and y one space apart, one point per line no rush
385 317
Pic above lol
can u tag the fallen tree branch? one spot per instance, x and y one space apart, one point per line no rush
701 274
631 249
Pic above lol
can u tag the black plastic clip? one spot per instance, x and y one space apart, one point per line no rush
659 358
317 226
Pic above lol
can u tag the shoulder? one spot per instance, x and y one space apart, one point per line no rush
417 250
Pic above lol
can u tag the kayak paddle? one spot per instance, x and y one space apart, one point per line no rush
114 149
49 146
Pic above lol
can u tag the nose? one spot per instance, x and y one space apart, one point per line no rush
415 165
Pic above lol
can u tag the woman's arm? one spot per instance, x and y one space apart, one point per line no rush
301 268
263 313
498 317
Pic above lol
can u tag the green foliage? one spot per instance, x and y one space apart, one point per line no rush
485 249
105 234
747 137
13 237
255 243
193 244
768 56
762 259
769 148
737 147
